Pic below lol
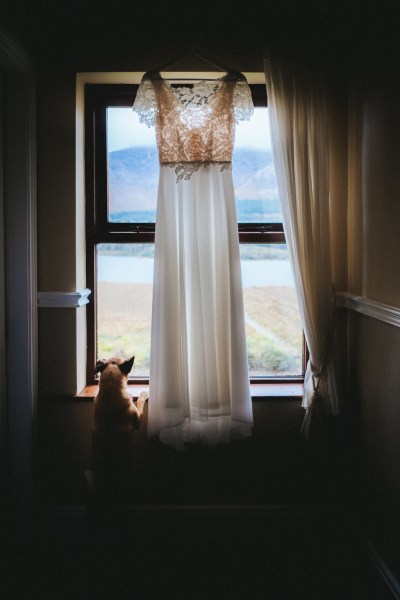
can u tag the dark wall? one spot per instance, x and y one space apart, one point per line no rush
85 36
375 343
273 467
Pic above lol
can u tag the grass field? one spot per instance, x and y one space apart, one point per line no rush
273 328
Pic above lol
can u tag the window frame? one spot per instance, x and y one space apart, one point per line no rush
98 97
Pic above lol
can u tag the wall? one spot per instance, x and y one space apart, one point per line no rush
375 274
18 317
60 249
273 467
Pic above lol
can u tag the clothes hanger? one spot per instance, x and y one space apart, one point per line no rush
231 74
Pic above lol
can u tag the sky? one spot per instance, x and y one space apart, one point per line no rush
125 131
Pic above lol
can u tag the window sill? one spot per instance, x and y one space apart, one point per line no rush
258 390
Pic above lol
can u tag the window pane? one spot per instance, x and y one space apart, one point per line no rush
254 178
124 293
133 169
273 328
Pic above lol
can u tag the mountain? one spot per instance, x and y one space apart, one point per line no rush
133 182
133 179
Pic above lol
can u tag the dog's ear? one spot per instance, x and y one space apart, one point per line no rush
127 365
100 366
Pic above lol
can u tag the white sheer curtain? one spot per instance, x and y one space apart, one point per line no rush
300 131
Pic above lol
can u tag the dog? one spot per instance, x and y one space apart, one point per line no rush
114 407
116 417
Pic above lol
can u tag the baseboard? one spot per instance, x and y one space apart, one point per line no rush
384 571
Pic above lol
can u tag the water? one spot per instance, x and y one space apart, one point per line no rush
132 269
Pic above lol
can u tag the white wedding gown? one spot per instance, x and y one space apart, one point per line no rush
199 382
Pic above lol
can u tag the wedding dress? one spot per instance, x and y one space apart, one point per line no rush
199 382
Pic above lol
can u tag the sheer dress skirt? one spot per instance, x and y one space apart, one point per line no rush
199 383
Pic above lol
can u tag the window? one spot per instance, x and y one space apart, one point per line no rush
121 189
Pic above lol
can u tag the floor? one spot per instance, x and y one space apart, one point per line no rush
267 519
129 553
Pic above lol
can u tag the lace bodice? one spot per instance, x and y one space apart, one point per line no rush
194 126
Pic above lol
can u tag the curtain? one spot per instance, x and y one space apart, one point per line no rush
299 115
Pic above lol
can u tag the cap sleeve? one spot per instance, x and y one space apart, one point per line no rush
242 102
145 104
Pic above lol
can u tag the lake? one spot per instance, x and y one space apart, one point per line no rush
132 269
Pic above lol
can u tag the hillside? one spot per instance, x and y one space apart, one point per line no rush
133 181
